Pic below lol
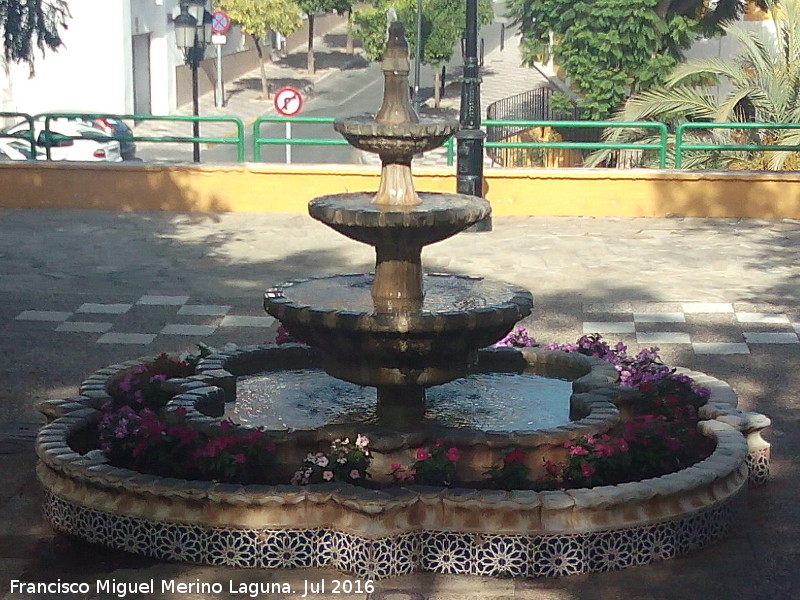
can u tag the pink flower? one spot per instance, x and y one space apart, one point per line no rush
354 474
622 445
327 475
396 466
605 450
551 468
587 470
240 458
225 424
180 411
517 456
422 454
578 451
362 441
452 454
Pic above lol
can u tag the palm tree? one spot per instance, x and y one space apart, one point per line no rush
764 86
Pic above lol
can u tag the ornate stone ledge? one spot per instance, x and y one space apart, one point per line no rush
378 533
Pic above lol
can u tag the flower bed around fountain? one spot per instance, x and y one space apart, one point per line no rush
375 533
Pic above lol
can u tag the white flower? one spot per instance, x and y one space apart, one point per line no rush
362 441
322 460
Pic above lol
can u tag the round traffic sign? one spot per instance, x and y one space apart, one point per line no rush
220 21
288 101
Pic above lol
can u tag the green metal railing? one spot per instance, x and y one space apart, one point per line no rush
660 147
287 140
681 146
238 139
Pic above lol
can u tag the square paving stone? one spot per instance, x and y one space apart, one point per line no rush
105 309
609 327
753 317
771 337
246 321
664 337
659 317
186 329
153 300
84 327
43 315
204 310
115 337
720 348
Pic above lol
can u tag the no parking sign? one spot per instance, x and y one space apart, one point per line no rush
288 101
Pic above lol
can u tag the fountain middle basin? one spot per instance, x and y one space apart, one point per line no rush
420 348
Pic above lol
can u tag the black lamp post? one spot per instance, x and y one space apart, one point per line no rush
417 56
469 166
192 35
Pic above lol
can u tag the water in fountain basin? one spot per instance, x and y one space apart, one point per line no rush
307 399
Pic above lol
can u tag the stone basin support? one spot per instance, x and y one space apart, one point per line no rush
397 184
398 278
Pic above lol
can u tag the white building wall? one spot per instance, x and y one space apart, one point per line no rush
93 71
88 73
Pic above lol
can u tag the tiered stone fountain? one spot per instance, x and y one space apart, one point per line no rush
399 330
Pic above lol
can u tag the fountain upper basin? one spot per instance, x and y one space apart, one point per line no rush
395 139
438 217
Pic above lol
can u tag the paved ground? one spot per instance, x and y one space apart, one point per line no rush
81 289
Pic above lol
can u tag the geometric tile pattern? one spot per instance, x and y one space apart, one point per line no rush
744 329
173 308
441 552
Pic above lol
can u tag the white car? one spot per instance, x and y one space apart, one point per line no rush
11 149
67 140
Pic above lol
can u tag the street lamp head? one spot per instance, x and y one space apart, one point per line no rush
185 30
204 30
195 8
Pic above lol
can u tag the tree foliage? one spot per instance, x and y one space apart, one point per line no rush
443 22
313 7
764 86
609 49
27 24
256 17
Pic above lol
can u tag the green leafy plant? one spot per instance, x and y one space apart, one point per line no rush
346 461
511 473
763 81
434 465
609 49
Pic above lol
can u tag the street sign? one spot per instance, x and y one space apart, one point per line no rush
219 39
220 22
288 101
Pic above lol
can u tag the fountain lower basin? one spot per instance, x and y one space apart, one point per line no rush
381 533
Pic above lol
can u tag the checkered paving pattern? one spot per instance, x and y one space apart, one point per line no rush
123 323
710 328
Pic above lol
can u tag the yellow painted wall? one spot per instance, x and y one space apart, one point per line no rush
282 188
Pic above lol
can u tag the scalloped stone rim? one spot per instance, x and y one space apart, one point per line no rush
84 486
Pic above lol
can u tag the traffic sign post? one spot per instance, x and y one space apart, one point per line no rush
288 101
220 24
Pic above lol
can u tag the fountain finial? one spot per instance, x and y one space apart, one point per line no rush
396 108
